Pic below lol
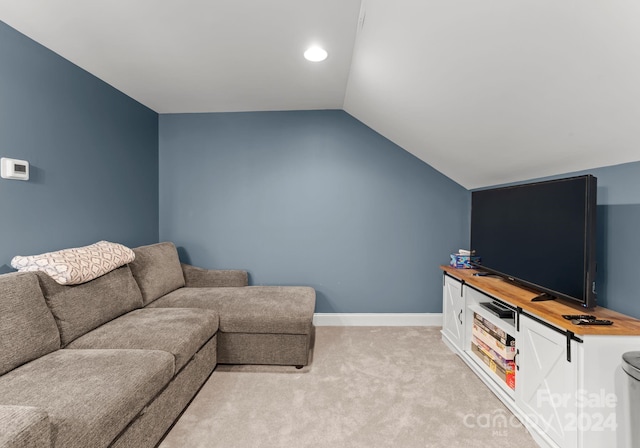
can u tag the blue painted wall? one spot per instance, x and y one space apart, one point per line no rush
618 238
312 198
92 150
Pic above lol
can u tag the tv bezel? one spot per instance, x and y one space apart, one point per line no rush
589 245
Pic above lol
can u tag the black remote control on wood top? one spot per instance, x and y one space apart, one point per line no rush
591 322
579 316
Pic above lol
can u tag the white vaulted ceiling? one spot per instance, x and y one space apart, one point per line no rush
487 91
201 55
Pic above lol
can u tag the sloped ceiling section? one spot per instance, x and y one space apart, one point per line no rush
496 91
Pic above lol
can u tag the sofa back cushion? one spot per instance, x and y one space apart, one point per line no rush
79 309
157 270
27 328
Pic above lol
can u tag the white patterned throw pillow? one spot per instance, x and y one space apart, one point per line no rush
79 264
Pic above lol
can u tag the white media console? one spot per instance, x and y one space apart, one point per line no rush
570 389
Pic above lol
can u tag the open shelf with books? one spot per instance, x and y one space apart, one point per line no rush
496 349
490 342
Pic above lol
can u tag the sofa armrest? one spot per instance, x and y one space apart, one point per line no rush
195 277
24 427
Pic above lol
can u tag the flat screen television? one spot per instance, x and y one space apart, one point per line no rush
541 235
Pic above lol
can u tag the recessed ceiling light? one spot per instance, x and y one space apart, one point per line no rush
315 54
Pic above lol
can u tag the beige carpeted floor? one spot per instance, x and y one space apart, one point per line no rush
366 387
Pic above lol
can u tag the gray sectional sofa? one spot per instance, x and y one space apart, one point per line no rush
114 361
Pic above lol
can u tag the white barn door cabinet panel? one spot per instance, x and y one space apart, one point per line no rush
453 312
547 380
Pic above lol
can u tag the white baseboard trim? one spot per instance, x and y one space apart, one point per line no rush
377 319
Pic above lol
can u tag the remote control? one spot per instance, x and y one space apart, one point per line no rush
591 322
579 316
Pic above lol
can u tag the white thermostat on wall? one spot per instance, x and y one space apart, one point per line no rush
14 169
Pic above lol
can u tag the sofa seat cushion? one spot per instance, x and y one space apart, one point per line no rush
27 327
89 395
251 309
24 426
79 309
179 331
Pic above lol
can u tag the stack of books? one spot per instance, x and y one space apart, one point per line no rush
496 348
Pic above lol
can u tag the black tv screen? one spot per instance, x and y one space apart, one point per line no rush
541 235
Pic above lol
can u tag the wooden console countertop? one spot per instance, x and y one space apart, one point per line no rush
551 310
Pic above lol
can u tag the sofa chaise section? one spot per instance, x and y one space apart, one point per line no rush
258 324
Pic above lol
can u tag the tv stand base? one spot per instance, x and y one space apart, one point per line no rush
543 298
